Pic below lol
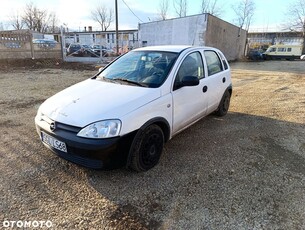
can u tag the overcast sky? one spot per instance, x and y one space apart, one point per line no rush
269 14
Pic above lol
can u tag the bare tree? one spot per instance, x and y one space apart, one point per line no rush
180 7
36 19
163 9
53 24
296 16
16 21
103 16
244 11
210 7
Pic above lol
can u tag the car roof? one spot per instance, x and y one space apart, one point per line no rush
168 48
172 48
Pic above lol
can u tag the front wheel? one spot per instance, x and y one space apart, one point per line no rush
224 104
146 148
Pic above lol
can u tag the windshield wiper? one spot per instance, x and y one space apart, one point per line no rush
129 81
108 79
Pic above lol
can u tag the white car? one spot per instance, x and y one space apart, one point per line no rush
126 112
302 57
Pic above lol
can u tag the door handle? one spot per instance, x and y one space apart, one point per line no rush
204 89
224 80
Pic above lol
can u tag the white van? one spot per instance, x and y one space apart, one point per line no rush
289 52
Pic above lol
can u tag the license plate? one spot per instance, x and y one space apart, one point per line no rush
53 142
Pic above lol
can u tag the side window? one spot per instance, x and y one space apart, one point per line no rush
281 49
213 63
224 61
191 66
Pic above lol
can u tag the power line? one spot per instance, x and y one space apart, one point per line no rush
132 11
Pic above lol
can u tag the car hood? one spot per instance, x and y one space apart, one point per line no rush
94 100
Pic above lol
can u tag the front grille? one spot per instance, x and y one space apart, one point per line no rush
69 128
60 126
90 163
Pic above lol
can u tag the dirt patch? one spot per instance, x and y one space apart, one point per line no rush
27 64
241 171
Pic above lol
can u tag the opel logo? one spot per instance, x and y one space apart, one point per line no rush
52 126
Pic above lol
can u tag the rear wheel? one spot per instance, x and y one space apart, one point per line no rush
224 104
146 148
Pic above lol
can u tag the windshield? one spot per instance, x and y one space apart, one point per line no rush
142 68
271 49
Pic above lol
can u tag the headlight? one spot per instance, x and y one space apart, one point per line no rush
101 129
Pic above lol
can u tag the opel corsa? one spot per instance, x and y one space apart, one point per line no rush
124 114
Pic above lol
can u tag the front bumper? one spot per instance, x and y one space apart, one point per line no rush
106 154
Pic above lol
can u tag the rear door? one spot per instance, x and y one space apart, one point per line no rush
217 78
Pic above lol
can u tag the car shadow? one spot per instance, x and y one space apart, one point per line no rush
229 171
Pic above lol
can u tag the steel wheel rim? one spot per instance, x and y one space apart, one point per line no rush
152 149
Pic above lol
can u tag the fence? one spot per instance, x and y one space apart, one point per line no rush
90 47
22 46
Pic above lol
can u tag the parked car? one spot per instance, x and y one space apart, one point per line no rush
127 112
45 43
302 57
97 50
75 49
12 45
87 51
255 55
280 51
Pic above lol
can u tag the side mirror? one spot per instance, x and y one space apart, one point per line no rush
189 81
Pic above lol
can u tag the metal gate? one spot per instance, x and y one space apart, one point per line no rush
85 48
97 46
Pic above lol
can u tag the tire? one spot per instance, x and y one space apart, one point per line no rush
146 148
224 104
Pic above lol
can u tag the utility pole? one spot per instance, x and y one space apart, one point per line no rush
117 26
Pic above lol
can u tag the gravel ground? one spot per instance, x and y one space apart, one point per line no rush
243 171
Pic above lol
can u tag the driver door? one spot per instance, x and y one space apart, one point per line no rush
189 102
